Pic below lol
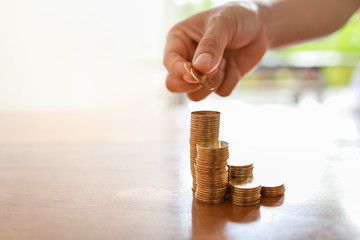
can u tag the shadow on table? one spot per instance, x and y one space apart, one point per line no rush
210 220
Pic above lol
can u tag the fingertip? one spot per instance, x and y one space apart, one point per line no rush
224 92
177 84
169 84
194 97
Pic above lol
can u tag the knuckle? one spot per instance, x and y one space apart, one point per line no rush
211 41
220 18
220 22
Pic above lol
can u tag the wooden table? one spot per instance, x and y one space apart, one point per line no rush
126 175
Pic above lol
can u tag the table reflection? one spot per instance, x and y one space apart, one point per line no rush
211 220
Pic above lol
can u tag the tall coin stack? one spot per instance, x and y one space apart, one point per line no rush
211 172
241 173
244 193
204 127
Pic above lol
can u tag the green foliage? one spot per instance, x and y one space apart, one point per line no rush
345 40
337 76
191 8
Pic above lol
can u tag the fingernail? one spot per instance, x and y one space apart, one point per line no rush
203 60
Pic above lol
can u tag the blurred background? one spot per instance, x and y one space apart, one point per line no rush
104 54
73 56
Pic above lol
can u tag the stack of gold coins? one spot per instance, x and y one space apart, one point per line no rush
272 189
211 172
204 127
244 193
241 173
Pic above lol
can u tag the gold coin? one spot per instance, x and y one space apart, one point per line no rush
188 66
214 156
245 193
272 189
243 178
211 179
245 204
244 200
251 184
213 175
210 199
211 152
214 187
202 79
220 188
210 202
206 163
242 175
208 193
246 197
205 113
236 163
272 194
211 191
271 185
235 169
213 145
277 191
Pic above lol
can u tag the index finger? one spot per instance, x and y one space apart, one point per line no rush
178 50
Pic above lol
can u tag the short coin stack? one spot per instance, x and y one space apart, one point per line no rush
204 127
276 189
241 173
244 193
211 172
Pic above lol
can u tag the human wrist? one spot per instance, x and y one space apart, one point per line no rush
264 17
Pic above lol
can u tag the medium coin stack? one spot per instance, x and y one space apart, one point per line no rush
272 189
244 193
204 127
211 172
241 173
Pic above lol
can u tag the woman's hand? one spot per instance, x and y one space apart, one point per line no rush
224 42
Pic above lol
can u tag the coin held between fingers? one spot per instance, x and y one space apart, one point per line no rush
188 66
201 78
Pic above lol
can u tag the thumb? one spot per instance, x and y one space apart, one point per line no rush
210 49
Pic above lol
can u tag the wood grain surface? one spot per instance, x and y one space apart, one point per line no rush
126 175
